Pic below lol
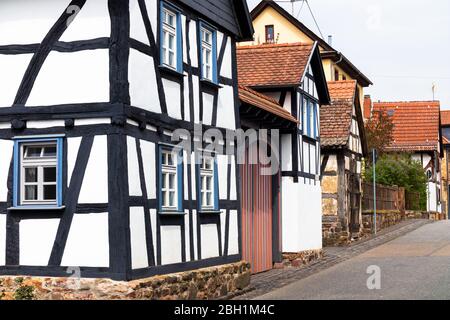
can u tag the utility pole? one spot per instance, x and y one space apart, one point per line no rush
374 153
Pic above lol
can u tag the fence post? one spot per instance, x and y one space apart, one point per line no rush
374 191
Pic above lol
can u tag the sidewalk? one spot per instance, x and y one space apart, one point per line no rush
274 279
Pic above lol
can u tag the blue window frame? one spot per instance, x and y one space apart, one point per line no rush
170 37
310 118
207 183
208 52
170 168
38 172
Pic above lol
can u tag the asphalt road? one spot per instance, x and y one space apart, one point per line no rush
414 266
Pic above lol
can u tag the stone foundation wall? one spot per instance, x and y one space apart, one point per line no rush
299 259
385 219
202 284
333 233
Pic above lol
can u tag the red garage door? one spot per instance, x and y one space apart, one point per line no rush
256 217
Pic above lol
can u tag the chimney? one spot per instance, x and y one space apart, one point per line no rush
368 107
330 40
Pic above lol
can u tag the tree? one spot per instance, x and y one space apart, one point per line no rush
400 170
379 132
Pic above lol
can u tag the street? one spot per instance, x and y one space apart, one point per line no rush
414 266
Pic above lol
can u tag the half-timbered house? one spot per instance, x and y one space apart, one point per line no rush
292 74
91 93
343 149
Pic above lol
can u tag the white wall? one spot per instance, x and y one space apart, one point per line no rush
88 241
2 239
36 241
12 70
6 148
139 258
301 216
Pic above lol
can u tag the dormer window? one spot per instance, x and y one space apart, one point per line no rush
270 34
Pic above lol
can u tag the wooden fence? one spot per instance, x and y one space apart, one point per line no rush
390 198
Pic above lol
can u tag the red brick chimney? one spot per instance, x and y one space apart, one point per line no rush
368 105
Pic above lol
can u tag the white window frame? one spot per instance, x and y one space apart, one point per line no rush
207 168
38 163
205 48
167 31
169 169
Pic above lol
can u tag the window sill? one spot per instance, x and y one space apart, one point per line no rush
171 213
171 74
37 208
210 84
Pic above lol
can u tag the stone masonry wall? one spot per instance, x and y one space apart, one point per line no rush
202 284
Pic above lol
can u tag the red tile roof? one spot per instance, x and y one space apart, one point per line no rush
416 124
264 102
336 119
445 118
273 65
335 124
345 90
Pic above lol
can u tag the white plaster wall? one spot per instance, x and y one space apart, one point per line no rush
6 150
91 22
2 239
286 152
194 223
5 125
139 257
222 166
227 66
432 197
36 241
187 111
143 85
210 241
134 182
148 158
88 241
73 145
187 238
90 122
77 77
301 216
12 70
137 27
193 43
233 182
225 108
195 86
95 184
152 10
208 101
42 124
306 163
233 245
172 91
170 245
24 22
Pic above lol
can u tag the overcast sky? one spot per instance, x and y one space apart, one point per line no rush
403 46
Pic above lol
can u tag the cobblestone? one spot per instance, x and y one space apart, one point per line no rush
277 278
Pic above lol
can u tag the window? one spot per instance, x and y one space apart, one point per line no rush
170 42
310 118
344 78
336 75
171 189
208 184
270 34
208 55
38 172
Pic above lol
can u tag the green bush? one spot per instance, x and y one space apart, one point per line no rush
402 171
24 293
